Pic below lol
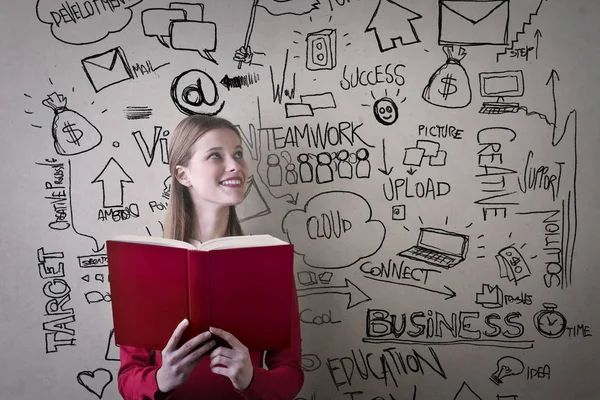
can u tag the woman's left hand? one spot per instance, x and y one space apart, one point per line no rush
233 362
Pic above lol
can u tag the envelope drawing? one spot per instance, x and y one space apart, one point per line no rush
106 69
473 22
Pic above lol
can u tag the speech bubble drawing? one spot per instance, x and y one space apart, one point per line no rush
334 230
157 22
84 22
195 36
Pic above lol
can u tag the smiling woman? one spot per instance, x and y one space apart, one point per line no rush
209 176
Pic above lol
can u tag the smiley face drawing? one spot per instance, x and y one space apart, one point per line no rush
386 111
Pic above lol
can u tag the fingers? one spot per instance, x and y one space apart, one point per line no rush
229 338
176 336
191 345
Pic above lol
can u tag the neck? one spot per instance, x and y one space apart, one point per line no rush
210 223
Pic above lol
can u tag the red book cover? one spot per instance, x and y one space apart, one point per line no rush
245 289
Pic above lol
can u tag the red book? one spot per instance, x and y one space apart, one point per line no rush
242 284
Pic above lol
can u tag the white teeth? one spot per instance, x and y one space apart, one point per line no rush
231 182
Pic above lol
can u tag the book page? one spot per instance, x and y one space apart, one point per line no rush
231 242
155 240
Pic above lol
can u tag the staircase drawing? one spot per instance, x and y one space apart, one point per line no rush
520 32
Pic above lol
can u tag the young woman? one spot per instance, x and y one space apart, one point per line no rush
209 176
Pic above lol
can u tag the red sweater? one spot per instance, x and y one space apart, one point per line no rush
283 378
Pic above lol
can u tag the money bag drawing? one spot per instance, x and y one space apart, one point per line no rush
72 132
449 85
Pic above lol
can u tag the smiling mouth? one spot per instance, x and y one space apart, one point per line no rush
231 182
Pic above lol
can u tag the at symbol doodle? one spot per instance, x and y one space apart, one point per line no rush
195 92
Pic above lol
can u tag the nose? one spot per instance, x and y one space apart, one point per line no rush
233 164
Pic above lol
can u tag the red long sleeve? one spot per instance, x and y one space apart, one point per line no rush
281 380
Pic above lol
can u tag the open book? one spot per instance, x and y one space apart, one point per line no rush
242 284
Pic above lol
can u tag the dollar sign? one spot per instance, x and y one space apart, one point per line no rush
449 87
75 134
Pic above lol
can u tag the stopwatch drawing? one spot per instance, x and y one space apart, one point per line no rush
549 322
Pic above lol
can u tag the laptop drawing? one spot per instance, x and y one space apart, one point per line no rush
438 247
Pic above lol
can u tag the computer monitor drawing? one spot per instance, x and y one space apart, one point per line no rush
501 84
439 247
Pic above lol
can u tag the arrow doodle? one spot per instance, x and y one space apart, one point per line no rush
239 81
112 178
355 295
385 170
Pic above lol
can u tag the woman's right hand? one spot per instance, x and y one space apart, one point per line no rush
178 363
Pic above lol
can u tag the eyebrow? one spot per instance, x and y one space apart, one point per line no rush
221 148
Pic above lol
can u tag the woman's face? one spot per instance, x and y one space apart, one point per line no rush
217 172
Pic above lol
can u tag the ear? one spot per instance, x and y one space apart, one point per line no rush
181 174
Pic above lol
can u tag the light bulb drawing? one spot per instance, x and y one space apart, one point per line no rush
507 366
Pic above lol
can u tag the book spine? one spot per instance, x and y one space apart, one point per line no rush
199 291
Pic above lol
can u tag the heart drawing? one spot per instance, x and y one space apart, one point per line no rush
95 381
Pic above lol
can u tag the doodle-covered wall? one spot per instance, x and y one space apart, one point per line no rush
432 161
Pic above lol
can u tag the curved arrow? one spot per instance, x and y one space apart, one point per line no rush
355 295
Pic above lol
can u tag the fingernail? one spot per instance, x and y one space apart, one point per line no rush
185 321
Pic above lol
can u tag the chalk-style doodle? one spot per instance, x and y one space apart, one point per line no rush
310 362
355 295
322 230
95 381
93 261
80 23
399 212
490 297
506 366
160 137
112 349
95 296
137 112
501 84
107 68
406 275
537 36
425 149
521 32
276 8
512 264
507 397
438 247
321 50
97 248
195 92
279 90
239 81
549 322
247 56
145 68
392 23
182 27
309 103
72 133
466 393
112 178
473 22
449 86
254 204
309 278
385 111
385 169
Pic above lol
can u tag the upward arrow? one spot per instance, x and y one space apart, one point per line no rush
553 78
112 177
392 22
537 36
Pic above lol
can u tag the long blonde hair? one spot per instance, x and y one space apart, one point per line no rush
180 212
